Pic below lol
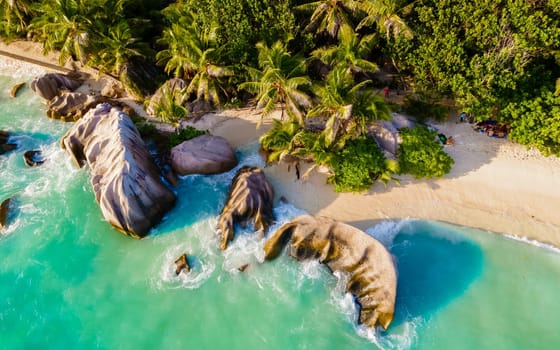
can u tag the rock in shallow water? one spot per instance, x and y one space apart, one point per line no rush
33 158
250 198
373 280
125 179
182 264
4 209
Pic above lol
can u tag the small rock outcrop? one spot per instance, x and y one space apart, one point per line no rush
372 277
4 145
33 158
125 179
15 89
250 198
182 264
52 84
205 154
71 106
4 209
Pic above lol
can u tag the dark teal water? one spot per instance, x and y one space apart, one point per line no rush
68 280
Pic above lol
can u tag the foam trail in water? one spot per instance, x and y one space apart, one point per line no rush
533 243
386 231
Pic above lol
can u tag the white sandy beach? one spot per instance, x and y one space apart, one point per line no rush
495 185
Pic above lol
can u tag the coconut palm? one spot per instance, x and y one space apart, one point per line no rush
192 54
280 80
63 25
349 53
330 15
347 107
116 47
14 15
384 15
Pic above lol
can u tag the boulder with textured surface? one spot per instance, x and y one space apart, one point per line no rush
71 106
372 277
52 84
250 198
205 154
125 179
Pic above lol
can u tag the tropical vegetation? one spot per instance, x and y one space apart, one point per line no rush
316 60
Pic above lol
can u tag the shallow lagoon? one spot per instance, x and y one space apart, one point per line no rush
67 279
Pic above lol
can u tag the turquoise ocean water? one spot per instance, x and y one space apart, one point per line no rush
69 281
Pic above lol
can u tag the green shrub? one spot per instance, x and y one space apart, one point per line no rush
421 154
359 165
185 134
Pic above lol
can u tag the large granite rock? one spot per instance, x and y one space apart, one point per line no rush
125 179
372 280
171 86
205 154
250 198
71 106
51 84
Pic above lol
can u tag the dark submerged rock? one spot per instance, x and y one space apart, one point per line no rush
4 209
250 198
4 145
182 264
33 158
373 280
124 177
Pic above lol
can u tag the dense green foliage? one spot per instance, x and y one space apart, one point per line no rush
421 154
359 165
487 55
184 134
316 59
241 24
536 122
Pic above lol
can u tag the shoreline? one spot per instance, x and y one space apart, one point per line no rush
494 185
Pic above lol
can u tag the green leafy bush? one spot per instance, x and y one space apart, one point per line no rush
421 155
185 134
359 165
536 123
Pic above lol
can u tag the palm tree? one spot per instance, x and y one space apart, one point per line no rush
63 25
330 15
116 47
279 81
383 13
13 15
349 52
347 107
192 54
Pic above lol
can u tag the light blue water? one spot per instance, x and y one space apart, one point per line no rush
68 280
